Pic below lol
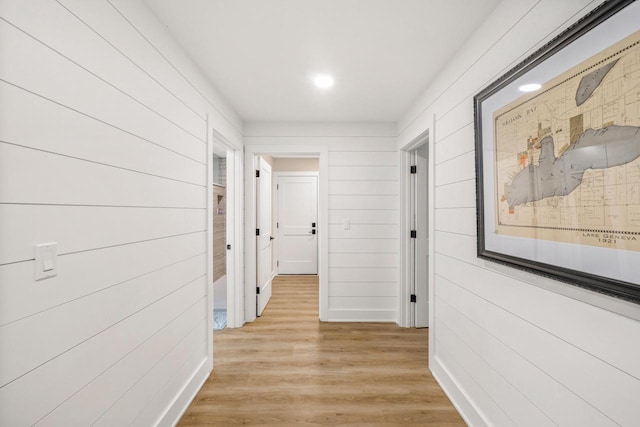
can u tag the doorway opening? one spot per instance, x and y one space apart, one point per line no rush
296 240
219 199
286 221
224 242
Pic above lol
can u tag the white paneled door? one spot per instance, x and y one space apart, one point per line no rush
297 224
264 270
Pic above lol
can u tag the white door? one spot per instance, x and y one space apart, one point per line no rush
422 237
264 270
297 224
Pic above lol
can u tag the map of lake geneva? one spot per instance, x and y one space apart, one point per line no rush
567 157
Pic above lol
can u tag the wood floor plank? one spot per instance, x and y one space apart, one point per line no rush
289 369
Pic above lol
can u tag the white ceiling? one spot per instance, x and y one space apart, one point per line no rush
260 54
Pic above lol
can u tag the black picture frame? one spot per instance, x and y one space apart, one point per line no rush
526 252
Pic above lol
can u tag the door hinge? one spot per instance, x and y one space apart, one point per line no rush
414 234
257 174
257 231
277 263
414 169
277 225
277 186
413 298
258 290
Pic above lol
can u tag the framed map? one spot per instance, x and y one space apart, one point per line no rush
558 157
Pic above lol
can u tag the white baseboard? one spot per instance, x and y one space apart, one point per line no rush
465 407
174 412
362 316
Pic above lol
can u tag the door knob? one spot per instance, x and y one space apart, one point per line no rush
271 237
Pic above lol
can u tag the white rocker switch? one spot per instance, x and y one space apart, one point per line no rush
46 260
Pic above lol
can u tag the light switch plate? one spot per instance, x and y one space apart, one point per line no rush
46 260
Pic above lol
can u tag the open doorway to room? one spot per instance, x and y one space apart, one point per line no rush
296 241
219 199
286 224
225 241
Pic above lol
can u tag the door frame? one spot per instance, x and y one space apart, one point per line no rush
404 306
234 268
276 211
285 150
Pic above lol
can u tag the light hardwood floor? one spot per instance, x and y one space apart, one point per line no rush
288 369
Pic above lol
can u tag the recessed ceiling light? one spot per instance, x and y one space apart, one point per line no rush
531 87
323 81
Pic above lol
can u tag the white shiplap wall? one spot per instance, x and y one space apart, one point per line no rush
512 348
103 149
362 188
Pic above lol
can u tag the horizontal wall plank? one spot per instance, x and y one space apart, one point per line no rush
92 401
386 144
459 246
496 48
461 221
363 173
371 275
363 260
492 414
47 73
183 363
363 231
53 179
83 273
343 134
362 303
106 20
48 334
363 187
363 158
365 246
35 394
510 50
362 216
458 143
458 195
138 15
520 372
83 46
461 116
589 328
63 131
363 202
457 169
81 228
512 402
131 404
607 388
358 289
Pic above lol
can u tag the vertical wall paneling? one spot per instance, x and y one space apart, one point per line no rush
510 345
104 149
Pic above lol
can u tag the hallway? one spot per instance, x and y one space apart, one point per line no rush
286 368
